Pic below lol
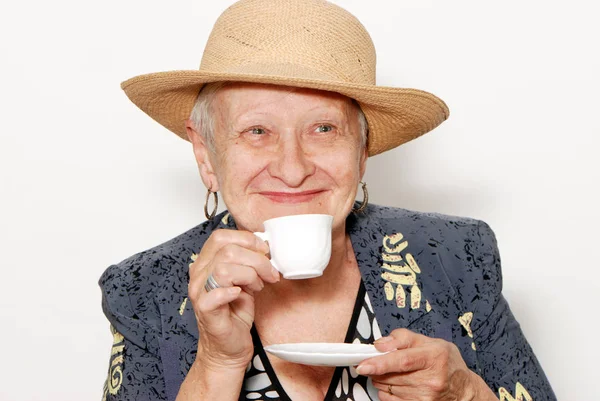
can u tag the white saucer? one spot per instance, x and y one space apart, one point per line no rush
324 354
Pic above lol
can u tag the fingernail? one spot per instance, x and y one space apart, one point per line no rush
275 273
383 340
364 369
234 290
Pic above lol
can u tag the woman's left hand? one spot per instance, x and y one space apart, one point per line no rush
422 368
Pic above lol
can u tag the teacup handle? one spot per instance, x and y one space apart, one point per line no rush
265 237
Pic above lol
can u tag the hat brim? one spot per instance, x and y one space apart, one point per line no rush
395 115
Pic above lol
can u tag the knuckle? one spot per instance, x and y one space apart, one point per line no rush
221 238
222 274
228 252
265 269
379 368
437 384
442 350
443 344
411 362
253 274
452 348
398 333
406 362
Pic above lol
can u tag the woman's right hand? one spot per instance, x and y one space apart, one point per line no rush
238 263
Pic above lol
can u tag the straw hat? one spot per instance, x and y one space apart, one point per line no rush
302 43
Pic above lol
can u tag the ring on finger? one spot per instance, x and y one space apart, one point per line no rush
211 283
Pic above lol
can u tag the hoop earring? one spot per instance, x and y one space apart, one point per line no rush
216 200
365 200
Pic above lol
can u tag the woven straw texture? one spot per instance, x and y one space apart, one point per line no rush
302 43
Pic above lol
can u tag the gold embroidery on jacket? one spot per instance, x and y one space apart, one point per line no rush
193 257
521 394
465 321
182 306
115 371
400 270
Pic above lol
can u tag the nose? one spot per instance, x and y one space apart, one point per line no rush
291 163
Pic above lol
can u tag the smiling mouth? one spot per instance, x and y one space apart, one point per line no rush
292 197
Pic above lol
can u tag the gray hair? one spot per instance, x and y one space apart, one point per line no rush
203 122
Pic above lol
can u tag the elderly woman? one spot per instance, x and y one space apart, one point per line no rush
283 114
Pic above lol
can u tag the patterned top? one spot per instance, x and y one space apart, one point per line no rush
261 381
436 275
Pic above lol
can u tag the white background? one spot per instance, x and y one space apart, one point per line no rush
87 179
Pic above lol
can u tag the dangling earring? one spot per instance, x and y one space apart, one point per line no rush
216 200
365 200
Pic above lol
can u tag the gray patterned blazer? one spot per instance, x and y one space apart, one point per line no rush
436 275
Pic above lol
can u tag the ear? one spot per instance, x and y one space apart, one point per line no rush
363 161
202 153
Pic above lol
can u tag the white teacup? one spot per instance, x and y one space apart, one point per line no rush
300 244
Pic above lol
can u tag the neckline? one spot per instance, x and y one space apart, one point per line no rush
358 303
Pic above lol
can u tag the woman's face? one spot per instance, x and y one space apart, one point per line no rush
282 151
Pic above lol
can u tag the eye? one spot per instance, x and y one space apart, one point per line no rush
324 128
257 131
